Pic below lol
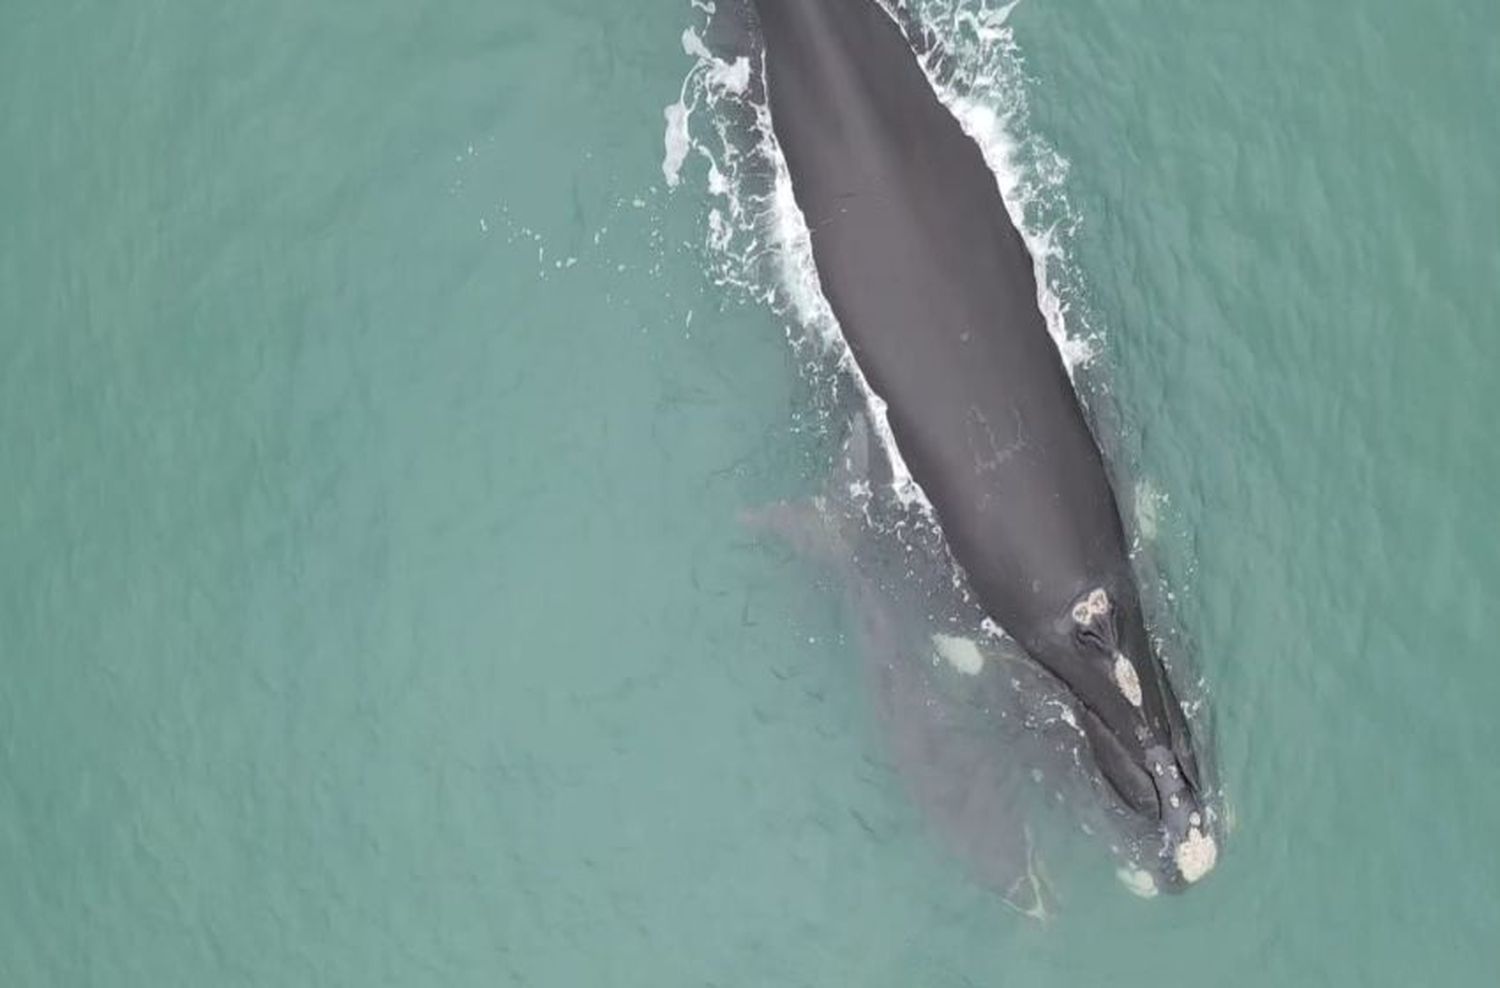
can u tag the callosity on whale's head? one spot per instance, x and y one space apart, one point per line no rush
1138 735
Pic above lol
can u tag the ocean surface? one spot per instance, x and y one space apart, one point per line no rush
382 389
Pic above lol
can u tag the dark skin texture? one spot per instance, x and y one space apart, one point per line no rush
936 294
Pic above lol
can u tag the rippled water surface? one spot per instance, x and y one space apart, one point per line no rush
376 425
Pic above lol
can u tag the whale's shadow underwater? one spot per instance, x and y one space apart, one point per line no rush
935 293
976 733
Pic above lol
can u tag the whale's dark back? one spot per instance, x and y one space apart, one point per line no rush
934 289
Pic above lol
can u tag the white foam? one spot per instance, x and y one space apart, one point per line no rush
678 142
709 77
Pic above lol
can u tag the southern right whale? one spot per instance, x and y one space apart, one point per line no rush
935 292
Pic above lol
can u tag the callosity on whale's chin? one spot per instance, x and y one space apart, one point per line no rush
1140 741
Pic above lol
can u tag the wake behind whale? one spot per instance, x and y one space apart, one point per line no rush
932 289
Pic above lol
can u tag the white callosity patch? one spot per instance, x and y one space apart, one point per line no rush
1092 607
962 654
1139 881
1127 679
1196 855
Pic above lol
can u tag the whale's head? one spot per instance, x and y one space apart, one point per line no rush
1187 848
1139 738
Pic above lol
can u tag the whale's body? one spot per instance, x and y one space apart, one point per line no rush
935 292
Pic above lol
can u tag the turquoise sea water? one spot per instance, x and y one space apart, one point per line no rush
374 430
